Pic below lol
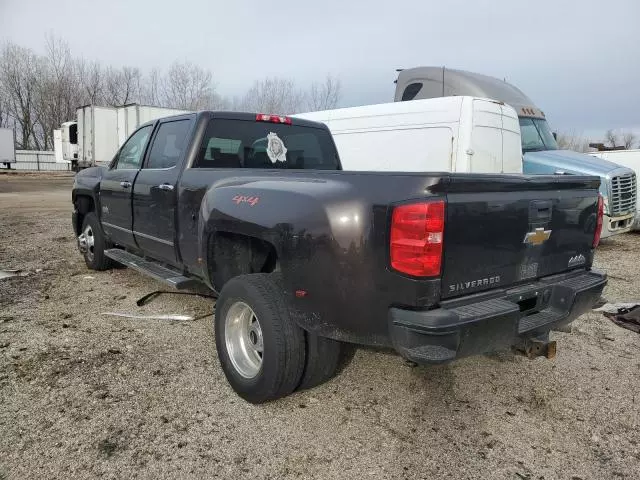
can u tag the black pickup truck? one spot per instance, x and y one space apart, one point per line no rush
304 257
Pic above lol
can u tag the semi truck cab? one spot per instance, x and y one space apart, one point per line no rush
69 144
541 155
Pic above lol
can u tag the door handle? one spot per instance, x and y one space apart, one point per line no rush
125 184
167 187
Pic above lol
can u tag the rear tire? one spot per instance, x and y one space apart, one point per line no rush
95 243
262 362
325 358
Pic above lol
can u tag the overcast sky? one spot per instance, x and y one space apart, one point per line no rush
578 60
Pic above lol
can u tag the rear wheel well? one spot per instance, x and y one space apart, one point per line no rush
84 204
232 254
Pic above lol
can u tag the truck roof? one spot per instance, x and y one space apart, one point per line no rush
226 115
433 82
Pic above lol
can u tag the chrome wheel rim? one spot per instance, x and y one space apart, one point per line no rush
243 339
86 242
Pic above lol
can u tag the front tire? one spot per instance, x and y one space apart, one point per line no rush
92 243
260 347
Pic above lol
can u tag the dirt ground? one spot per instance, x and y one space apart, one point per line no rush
85 395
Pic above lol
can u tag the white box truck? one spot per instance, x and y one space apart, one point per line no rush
7 147
449 134
132 116
99 131
97 135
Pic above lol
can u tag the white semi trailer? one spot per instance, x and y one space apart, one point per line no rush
7 147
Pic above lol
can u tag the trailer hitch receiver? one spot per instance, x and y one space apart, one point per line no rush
533 348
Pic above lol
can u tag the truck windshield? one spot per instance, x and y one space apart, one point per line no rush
536 135
249 144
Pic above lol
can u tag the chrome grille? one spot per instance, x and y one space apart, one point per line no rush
623 194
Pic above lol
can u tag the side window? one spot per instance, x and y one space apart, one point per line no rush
168 144
130 155
411 91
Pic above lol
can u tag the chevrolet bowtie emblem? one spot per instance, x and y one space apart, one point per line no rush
537 237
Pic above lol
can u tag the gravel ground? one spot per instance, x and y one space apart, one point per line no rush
85 395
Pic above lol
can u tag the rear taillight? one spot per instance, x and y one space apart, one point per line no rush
416 238
598 232
265 117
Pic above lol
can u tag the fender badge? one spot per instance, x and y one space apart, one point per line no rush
238 199
537 237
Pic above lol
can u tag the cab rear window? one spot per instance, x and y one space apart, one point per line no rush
247 144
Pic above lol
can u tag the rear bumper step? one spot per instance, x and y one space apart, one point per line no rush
477 324
152 269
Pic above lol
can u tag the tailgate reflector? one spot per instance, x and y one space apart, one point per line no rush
416 238
598 232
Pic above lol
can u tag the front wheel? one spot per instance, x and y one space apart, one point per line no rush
260 347
92 243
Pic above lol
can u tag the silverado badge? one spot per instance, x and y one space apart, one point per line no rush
537 237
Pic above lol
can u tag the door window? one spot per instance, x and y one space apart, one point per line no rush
130 155
168 145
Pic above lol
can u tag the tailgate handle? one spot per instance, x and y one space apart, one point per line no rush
540 210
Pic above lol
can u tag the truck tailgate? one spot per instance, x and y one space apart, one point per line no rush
502 231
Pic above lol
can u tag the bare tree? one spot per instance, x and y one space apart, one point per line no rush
621 140
611 138
39 92
150 92
628 139
189 87
18 67
4 112
58 90
90 78
121 86
571 141
273 95
324 96
130 85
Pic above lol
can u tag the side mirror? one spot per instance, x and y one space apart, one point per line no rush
555 136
